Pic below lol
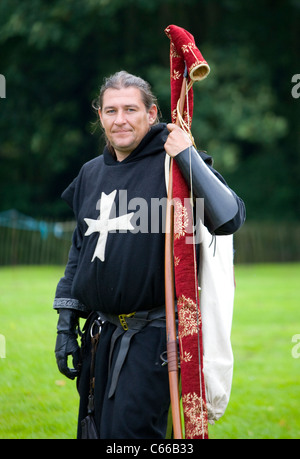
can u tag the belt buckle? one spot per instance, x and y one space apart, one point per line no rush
122 319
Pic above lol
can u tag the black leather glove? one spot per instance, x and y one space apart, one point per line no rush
66 342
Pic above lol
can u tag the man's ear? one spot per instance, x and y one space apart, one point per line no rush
152 114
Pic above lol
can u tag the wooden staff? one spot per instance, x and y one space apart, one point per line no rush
172 350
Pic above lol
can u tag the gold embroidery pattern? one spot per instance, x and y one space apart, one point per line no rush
176 75
187 313
196 64
187 357
189 48
181 220
168 32
176 261
174 114
195 415
173 51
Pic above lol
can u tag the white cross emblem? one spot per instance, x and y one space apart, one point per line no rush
104 224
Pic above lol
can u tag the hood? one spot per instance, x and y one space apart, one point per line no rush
152 143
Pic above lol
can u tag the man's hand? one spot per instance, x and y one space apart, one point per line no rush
177 140
66 342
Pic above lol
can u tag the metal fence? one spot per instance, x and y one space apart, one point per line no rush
267 243
24 240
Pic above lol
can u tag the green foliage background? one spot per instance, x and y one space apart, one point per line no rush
55 54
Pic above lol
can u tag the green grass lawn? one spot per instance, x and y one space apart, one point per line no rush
265 393
36 401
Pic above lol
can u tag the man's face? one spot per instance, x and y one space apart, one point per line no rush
125 119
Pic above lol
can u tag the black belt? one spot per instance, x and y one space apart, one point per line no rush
128 325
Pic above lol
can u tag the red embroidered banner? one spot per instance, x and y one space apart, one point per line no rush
184 53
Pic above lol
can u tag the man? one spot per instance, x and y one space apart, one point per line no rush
115 271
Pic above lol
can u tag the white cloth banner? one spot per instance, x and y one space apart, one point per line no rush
216 279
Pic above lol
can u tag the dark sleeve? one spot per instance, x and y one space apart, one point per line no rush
63 295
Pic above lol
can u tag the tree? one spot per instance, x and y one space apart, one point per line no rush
54 56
